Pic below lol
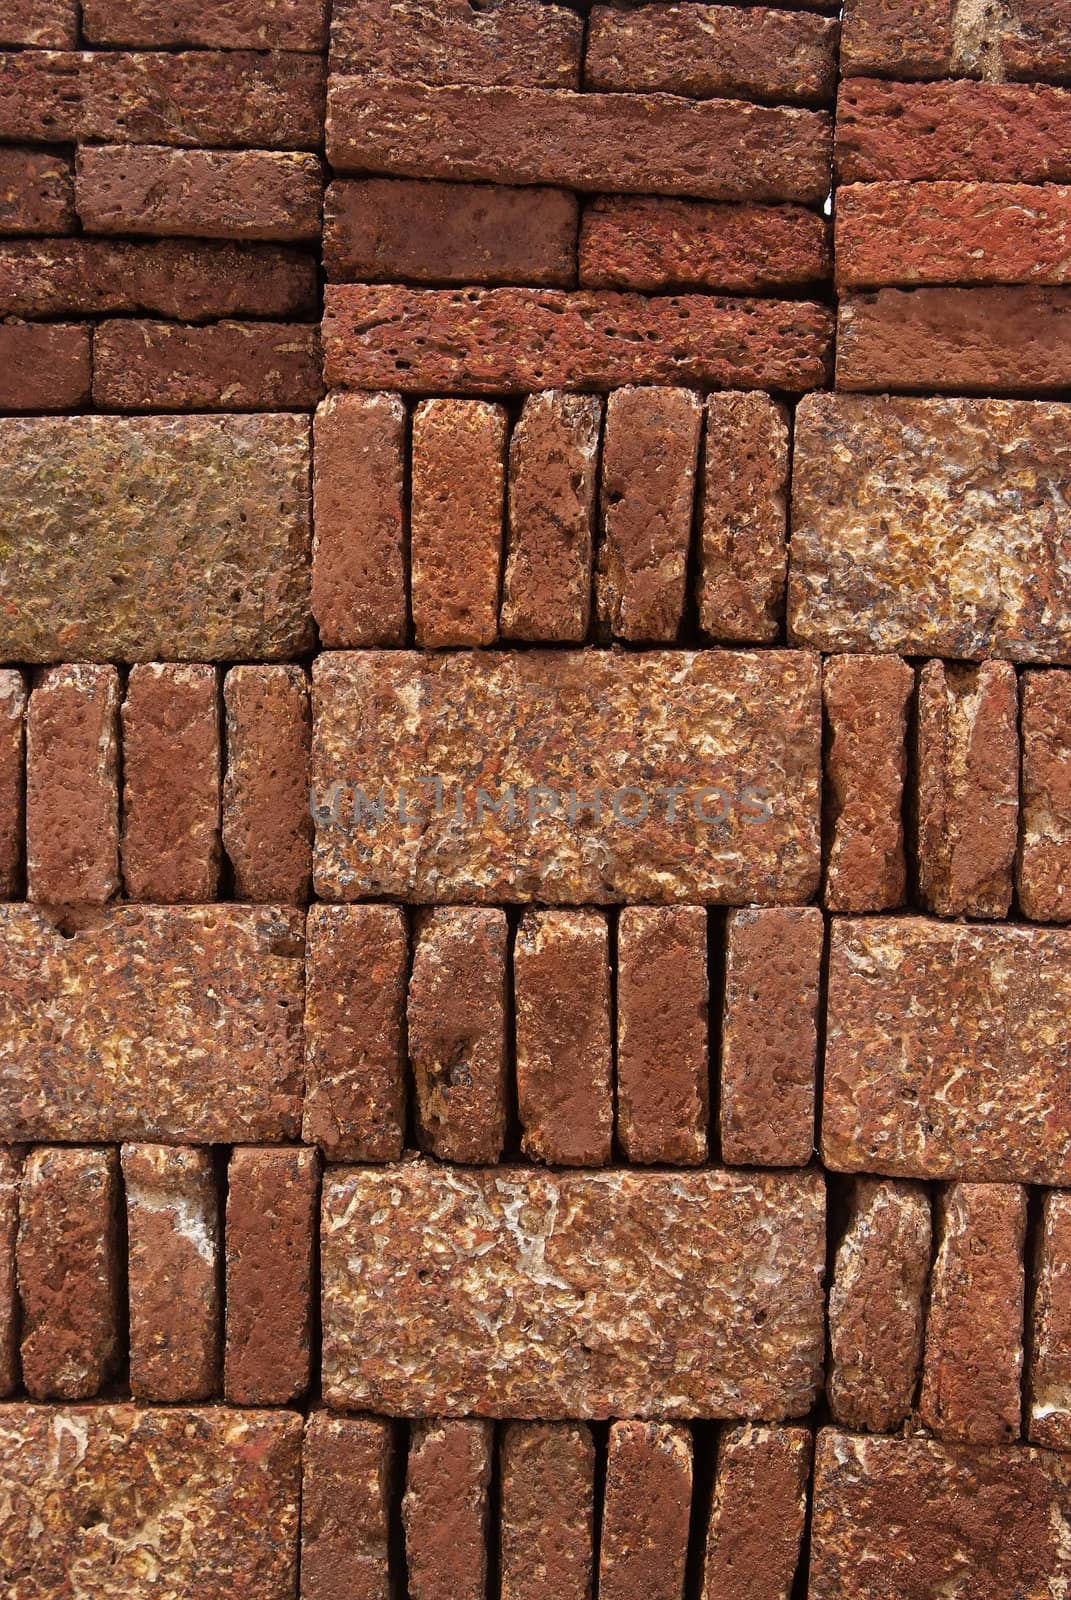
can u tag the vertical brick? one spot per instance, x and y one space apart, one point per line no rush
646 1512
1044 869
346 1466
553 454
72 785
548 1511
561 974
866 701
10 1175
743 554
1048 1395
445 1510
459 469
757 1513
272 1202
646 500
36 192
356 965
876 1304
769 1042
972 1371
267 825
358 548
68 1271
12 773
662 1058
173 1271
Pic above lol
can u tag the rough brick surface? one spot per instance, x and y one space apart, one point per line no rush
72 785
210 194
267 828
12 774
225 366
36 191
866 701
1048 1393
898 39
547 1511
45 366
446 1510
225 25
448 41
757 1513
1044 866
47 24
646 1510
10 1179
742 516
346 1486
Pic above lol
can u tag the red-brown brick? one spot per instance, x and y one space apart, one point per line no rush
898 39
1044 865
10 1179
47 24
757 1515
72 785
12 780
36 191
742 518
208 194
547 1511
446 1509
267 828
226 25
1048 1387
448 41
643 1546
224 366
44 366
346 1488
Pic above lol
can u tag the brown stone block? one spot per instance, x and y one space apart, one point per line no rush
210 194
1048 1388
757 1514
72 785
36 191
10 1179
267 828
866 701
12 780
646 1512
450 42
347 1471
1044 869
446 1510
224 366
743 509
47 24
225 25
547 1518
44 366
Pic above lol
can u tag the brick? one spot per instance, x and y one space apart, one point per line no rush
347 1470
1048 1412
627 143
866 700
662 1061
171 784
211 194
757 1514
357 968
216 1491
272 1203
743 508
446 1510
72 785
96 573
458 488
563 1311
226 25
980 1093
564 1060
172 1218
47 24
897 39
12 776
36 191
967 787
769 1039
646 1511
457 1032
179 1023
44 366
388 229
225 366
1044 867
553 456
572 718
927 527
10 1178
646 494
68 1271
267 828
877 1304
547 1515
449 42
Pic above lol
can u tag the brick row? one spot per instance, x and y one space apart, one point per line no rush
893 39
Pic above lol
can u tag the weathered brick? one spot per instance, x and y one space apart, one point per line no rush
225 25
662 1061
769 1037
272 1204
44 366
979 1089
36 191
267 828
224 366
47 24
210 194
967 787
742 515
92 569
901 39
561 976
68 1271
877 1304
646 1511
357 965
347 1469
757 1514
457 1032
72 785
563 1310
716 802
1048 1392
10 1178
450 42
172 1219
446 1510
12 774
457 501
866 700
176 1023
1044 869
548 1512
171 781
897 39
929 527
553 454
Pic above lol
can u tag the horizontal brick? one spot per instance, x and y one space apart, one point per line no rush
743 510
758 1513
547 1516
729 726
212 194
647 1502
72 786
980 1094
346 1488
36 191
473 341
897 39
660 144
12 780
585 1322
226 25
44 366
522 42
1048 1391
1044 865
928 527
223 366
267 829
97 574
47 24
446 1509
10 1314
179 1023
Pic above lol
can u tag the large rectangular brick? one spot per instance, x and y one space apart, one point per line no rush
523 42
1048 1390
758 1513
931 527
1044 864
12 780
44 366
555 778
979 1088
209 194
866 701
743 511
72 786
47 24
223 366
178 1023
92 568
36 191
223 25
267 829
565 1309
646 1513
446 1509
547 1511
346 1487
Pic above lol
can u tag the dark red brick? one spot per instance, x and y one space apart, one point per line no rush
646 1512
347 1470
12 780
47 24
222 366
210 194
267 828
450 42
866 701
743 509
72 785
758 1513
223 25
44 366
446 1509
547 1516
36 191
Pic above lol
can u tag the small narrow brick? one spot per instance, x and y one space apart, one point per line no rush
357 965
68 1271
457 1032
347 1468
44 366
209 194
12 780
446 1509
757 1513
10 1180
458 488
742 518
46 24
548 1513
272 1204
646 1512
72 785
224 366
561 977
898 39
1044 863
866 701
877 1304
36 191
173 1272
449 42
1048 1393
225 25
267 829
553 455
972 1372
662 1060
769 1041
647 497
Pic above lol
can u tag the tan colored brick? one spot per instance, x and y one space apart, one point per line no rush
36 191
742 518
866 700
267 828
44 366
548 1512
72 785
449 41
12 780
224 366
646 1511
757 1513
446 1510
209 194
1044 867
346 1488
